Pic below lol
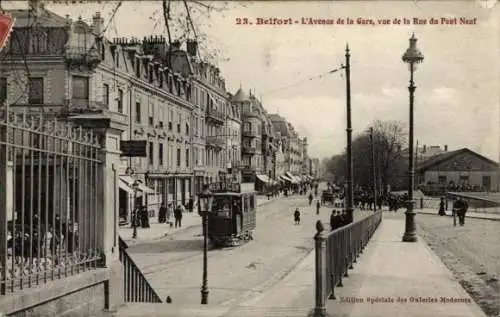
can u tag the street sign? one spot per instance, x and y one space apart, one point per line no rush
221 187
134 148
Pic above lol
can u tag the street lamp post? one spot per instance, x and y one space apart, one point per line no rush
134 217
412 56
372 143
205 204
349 172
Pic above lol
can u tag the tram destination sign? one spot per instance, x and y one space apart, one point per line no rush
221 187
134 148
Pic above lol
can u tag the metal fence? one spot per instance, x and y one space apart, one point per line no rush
136 286
50 200
336 252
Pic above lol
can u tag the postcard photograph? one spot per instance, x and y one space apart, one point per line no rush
179 158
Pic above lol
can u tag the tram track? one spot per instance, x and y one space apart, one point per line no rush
169 263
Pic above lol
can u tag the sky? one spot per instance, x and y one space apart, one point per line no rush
457 96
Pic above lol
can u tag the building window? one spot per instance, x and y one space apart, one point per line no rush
442 180
179 123
138 112
187 129
151 153
464 180
187 157
38 41
151 120
138 68
80 91
178 157
160 154
105 94
3 89
120 101
170 118
35 90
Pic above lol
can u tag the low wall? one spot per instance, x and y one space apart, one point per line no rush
94 293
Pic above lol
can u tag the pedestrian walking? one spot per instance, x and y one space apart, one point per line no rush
334 220
310 198
318 206
441 211
296 216
162 213
144 217
462 209
178 216
191 205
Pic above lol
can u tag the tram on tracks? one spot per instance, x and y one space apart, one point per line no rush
234 214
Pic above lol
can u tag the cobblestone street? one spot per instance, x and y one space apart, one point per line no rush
470 252
174 265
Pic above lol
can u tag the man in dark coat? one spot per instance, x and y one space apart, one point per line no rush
461 210
178 216
162 214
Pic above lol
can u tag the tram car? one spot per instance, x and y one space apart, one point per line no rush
234 214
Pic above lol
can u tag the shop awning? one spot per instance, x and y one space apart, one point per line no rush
286 178
263 178
124 186
129 181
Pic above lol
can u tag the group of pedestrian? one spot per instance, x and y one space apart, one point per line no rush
166 212
459 210
338 219
140 217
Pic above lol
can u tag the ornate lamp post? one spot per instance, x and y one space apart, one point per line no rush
412 56
205 200
135 186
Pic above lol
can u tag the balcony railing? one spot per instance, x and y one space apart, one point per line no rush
214 141
84 104
216 116
250 133
249 149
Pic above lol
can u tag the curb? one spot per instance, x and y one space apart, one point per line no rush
471 217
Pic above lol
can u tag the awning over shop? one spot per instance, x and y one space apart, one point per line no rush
286 178
289 177
124 186
129 181
263 178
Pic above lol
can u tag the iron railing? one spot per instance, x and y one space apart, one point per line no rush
336 252
136 286
51 202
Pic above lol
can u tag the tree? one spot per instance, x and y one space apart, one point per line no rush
390 162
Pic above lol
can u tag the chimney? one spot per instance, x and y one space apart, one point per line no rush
446 148
36 6
98 23
192 47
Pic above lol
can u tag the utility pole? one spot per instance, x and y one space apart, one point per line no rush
349 172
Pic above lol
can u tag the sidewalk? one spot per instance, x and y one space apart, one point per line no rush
160 230
469 214
388 269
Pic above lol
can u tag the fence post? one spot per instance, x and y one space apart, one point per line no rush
320 270
109 127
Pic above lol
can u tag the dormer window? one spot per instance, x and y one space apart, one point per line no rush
38 41
150 73
138 69
160 79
